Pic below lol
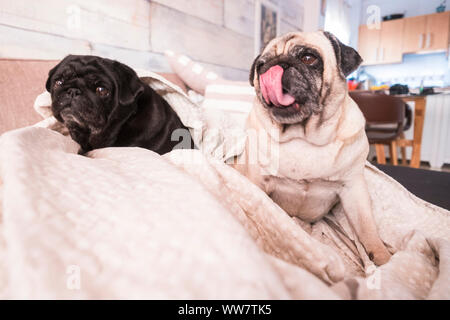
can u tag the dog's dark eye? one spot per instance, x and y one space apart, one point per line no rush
58 83
101 91
308 59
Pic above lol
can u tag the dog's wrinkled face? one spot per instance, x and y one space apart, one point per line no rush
295 74
87 91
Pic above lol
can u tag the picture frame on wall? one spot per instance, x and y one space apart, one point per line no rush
267 23
323 7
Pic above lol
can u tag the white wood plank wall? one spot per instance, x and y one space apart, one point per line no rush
217 33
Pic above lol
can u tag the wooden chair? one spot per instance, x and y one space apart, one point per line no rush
401 141
385 117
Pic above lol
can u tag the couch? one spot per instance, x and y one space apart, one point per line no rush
128 223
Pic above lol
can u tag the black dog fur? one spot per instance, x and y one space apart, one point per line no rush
103 103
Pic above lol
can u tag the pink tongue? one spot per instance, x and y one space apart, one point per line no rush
272 89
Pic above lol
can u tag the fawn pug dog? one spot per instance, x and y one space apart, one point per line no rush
302 105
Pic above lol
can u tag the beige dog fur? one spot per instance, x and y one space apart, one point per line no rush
321 161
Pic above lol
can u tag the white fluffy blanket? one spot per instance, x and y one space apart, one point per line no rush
128 223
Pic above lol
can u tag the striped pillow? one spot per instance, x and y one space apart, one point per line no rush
226 103
233 98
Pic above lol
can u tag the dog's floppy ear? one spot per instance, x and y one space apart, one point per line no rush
49 79
252 70
128 84
347 58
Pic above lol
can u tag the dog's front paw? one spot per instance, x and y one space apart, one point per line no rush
82 151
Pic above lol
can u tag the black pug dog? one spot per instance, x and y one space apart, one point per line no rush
103 103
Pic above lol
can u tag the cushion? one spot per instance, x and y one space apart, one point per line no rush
228 101
193 74
21 81
175 79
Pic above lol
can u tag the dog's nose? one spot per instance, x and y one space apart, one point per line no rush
73 92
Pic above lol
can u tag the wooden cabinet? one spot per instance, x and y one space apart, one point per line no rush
421 34
426 33
390 49
369 41
438 25
414 34
378 46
